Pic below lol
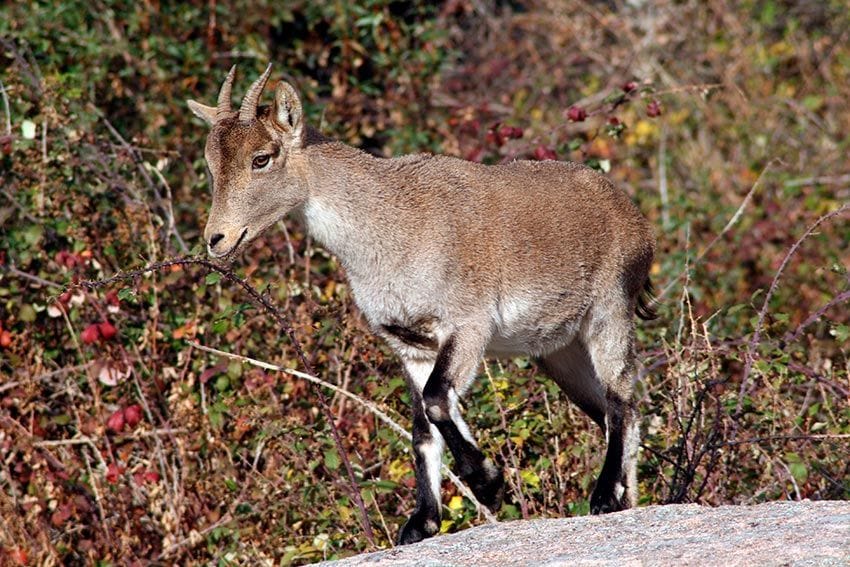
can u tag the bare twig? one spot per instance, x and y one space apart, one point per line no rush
6 107
819 180
22 210
265 304
732 222
141 166
372 407
172 227
27 276
812 437
380 414
28 68
842 297
754 341
662 179
195 537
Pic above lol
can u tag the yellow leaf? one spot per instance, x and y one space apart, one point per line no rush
531 478
456 503
398 469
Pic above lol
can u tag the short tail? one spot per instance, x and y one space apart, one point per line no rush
646 301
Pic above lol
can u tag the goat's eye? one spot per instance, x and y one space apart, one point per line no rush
261 161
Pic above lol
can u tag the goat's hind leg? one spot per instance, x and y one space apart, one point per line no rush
609 339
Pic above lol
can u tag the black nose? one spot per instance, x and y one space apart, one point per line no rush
215 239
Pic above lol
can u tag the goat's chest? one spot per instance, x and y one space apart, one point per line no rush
399 298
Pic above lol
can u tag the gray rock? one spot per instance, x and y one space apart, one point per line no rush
777 533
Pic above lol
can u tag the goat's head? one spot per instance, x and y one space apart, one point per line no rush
253 157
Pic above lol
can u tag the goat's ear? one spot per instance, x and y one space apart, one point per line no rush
202 111
286 113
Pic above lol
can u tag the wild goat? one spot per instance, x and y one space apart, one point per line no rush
450 260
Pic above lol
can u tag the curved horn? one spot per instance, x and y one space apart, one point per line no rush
248 110
223 106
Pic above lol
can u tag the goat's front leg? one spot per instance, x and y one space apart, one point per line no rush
428 454
453 371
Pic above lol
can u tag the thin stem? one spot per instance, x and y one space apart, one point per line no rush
263 302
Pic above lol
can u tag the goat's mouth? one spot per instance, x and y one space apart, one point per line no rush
233 249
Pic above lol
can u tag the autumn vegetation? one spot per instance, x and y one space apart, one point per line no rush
124 441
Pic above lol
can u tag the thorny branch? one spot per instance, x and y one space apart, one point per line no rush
754 341
379 413
283 322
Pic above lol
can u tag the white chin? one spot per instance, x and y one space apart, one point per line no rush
213 254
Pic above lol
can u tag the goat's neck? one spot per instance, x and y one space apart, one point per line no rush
339 211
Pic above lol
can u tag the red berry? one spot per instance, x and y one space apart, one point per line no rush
91 334
542 153
475 154
494 135
112 298
151 477
133 415
115 423
576 114
5 339
107 330
510 132
113 473
18 555
65 298
653 108
629 86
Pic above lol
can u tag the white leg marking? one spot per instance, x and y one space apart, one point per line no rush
631 445
419 371
454 413
619 490
432 452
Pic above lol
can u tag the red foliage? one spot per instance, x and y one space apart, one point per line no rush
97 332
653 108
107 330
113 473
576 114
133 415
543 153
90 334
116 421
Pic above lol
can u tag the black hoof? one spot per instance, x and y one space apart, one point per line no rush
488 485
605 503
417 528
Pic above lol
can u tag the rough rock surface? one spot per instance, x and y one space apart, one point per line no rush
776 533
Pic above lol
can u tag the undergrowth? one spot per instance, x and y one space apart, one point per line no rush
123 440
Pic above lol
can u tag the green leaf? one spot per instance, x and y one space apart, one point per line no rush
126 294
212 278
27 313
222 383
331 459
841 333
221 326
735 308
